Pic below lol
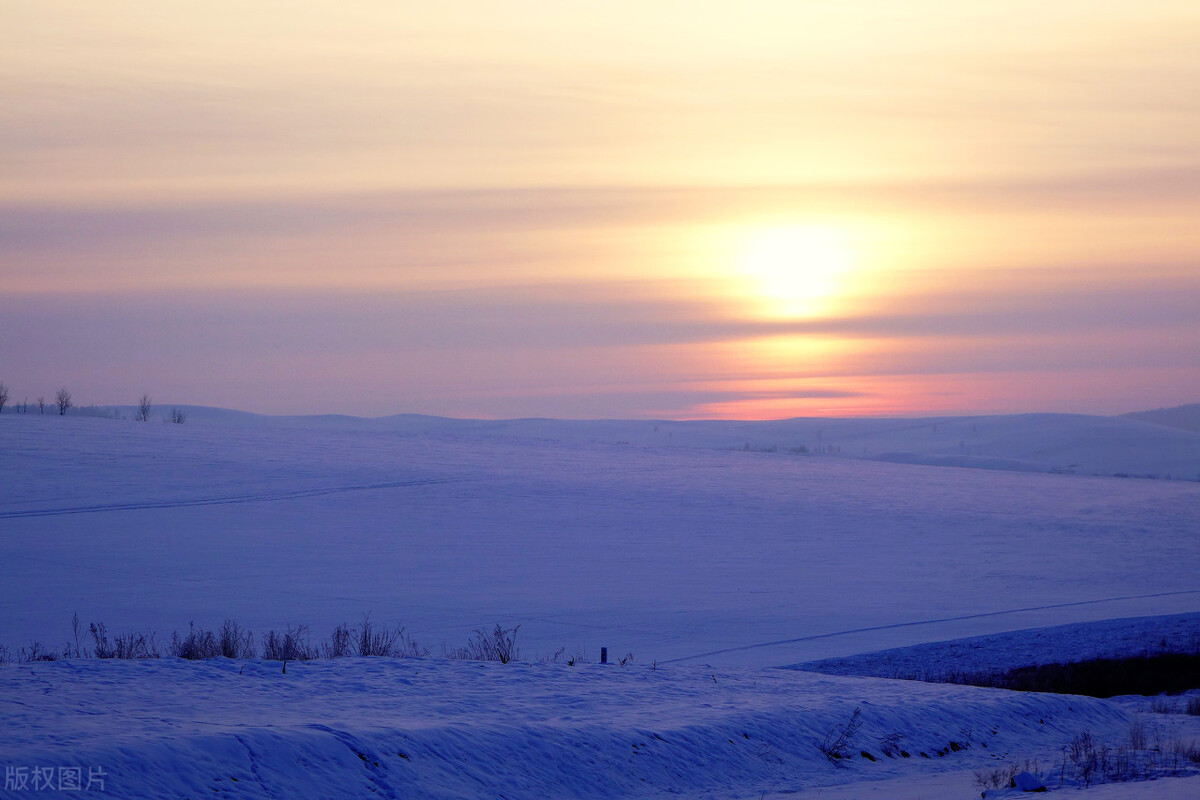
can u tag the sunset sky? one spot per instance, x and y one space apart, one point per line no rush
602 209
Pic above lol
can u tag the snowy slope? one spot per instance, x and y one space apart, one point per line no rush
707 555
420 728
1133 445
1059 644
1183 417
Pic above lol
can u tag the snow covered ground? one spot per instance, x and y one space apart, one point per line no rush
431 728
672 553
708 550
444 729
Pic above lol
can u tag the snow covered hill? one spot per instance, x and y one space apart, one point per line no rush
418 728
1183 417
1138 445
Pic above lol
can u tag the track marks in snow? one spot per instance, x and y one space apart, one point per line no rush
262 497
375 770
916 623
254 766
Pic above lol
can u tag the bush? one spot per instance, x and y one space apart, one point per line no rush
369 640
838 744
198 644
393 643
126 646
1084 757
340 643
235 641
35 652
995 777
499 645
290 645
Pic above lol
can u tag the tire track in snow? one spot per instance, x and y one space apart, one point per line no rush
264 497
894 626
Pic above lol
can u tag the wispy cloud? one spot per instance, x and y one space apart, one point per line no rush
572 341
531 203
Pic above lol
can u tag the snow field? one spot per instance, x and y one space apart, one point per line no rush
432 728
686 552
710 556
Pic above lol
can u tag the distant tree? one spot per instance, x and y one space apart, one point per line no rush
63 400
177 416
143 412
3 396
42 405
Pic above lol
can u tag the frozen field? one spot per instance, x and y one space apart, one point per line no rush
708 561
647 538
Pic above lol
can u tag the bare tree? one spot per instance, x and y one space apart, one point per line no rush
3 396
177 416
42 405
63 399
143 412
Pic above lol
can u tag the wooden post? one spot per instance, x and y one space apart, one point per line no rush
603 655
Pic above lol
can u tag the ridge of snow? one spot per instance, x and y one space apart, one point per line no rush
443 729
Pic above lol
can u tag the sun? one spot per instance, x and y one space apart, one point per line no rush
795 270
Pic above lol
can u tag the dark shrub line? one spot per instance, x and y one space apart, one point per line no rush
291 644
1169 673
